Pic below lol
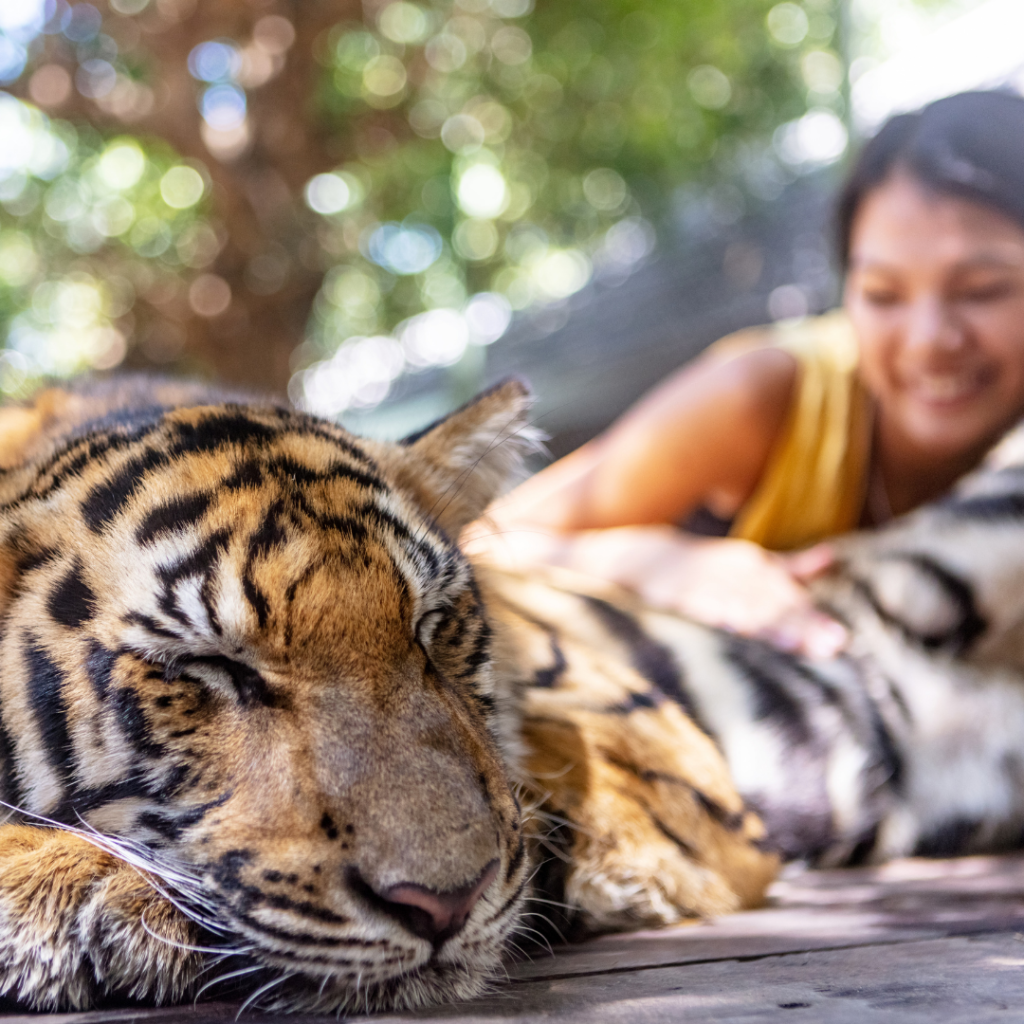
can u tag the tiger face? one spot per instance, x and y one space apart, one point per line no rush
246 645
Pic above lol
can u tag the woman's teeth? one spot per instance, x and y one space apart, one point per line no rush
945 387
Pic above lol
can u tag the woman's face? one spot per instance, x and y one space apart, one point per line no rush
935 292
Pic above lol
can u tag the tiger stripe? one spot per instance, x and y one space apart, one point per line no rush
212 645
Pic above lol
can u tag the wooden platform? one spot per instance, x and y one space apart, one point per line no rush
914 941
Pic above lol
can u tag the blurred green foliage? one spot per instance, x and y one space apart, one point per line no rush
466 159
89 223
542 144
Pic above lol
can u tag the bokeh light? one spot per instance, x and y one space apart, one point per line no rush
403 22
22 19
81 218
403 248
223 107
816 139
424 169
482 191
788 24
121 164
182 187
214 61
500 150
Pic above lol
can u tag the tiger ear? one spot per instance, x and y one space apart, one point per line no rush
460 464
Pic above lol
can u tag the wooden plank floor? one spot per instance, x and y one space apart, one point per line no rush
913 941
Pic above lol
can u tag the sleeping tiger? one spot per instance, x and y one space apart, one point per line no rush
249 718
263 726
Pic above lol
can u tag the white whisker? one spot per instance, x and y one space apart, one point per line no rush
549 776
553 903
142 860
540 936
227 977
188 947
263 988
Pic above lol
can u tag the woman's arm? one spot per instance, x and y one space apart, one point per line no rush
701 438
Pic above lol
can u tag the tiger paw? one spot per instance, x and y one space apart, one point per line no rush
77 923
657 832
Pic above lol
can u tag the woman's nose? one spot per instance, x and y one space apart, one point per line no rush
933 326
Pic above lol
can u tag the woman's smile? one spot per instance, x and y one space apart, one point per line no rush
949 389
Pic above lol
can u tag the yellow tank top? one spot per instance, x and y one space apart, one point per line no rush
816 478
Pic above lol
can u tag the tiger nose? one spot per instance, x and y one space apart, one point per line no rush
436 916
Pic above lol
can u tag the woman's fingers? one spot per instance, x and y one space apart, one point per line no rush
813 635
811 562
729 584
741 587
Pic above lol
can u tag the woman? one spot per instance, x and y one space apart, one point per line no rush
792 434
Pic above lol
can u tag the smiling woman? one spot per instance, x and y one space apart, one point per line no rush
935 294
782 437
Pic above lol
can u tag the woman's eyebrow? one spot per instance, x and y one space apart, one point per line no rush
998 260
994 259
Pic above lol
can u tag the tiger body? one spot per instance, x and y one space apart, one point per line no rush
909 743
258 711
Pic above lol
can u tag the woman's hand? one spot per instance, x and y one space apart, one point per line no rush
730 584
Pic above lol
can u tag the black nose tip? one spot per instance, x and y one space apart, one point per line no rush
428 914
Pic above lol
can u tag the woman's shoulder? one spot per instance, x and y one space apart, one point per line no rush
827 335
724 409
757 369
748 372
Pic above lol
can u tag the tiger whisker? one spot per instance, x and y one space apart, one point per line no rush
551 924
188 947
216 962
227 977
540 936
250 1001
140 859
553 903
535 913
558 820
519 951
152 868
550 776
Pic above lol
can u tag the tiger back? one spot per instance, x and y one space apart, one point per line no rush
907 743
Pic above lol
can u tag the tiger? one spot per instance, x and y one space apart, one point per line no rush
249 714
910 742
265 730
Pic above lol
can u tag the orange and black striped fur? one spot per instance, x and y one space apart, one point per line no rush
679 755
262 724
249 712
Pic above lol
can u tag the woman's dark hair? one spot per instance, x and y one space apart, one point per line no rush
970 146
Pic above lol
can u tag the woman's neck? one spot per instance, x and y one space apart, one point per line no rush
912 475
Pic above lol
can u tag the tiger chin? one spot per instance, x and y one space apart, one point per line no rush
250 727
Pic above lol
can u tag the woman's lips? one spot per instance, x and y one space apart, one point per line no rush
947 388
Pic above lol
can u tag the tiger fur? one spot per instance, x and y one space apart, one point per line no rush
247 704
260 718
911 742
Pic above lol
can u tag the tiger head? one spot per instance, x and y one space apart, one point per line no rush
245 643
